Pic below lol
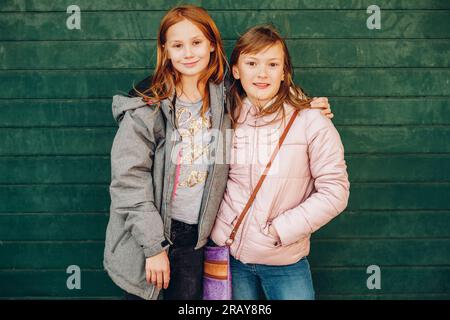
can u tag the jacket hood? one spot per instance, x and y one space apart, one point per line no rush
121 104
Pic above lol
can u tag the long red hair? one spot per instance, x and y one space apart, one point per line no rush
165 77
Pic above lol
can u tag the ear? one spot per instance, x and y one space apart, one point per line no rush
235 72
212 49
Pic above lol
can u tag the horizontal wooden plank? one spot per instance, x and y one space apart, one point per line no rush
399 196
324 253
54 283
351 224
398 168
389 252
361 82
395 139
118 5
329 281
95 141
55 169
52 255
71 85
63 227
396 282
292 24
401 280
394 296
388 224
347 111
305 53
54 198
390 111
57 113
95 198
98 141
339 82
97 169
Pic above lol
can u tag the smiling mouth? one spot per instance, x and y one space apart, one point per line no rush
190 64
261 85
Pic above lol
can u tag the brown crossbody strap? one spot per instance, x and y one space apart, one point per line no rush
261 180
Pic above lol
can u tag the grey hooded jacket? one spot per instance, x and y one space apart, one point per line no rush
141 182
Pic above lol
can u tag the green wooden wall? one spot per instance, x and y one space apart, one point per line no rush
389 89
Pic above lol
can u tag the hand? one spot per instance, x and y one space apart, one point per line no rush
157 270
322 103
274 232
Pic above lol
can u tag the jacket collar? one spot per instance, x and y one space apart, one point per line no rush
250 112
217 100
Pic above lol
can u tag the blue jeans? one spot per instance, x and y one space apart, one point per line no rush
259 282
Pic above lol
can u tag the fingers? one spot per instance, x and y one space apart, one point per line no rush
148 275
157 270
159 279
166 279
327 113
154 278
319 100
322 103
162 279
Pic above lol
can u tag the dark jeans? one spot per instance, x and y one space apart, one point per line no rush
186 265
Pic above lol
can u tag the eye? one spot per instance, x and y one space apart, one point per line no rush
251 63
274 64
177 45
197 42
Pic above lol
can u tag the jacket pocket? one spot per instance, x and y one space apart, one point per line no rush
119 240
129 260
264 230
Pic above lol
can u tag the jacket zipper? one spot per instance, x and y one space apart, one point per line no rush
214 167
166 217
248 216
168 184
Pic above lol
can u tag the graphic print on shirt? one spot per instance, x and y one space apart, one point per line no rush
193 158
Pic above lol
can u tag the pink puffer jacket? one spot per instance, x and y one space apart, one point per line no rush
306 187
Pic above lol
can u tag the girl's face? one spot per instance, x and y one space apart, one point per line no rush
261 74
188 48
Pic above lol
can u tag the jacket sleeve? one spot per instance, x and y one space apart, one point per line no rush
131 188
329 171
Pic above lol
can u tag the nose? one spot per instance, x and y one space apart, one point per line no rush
188 52
262 72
